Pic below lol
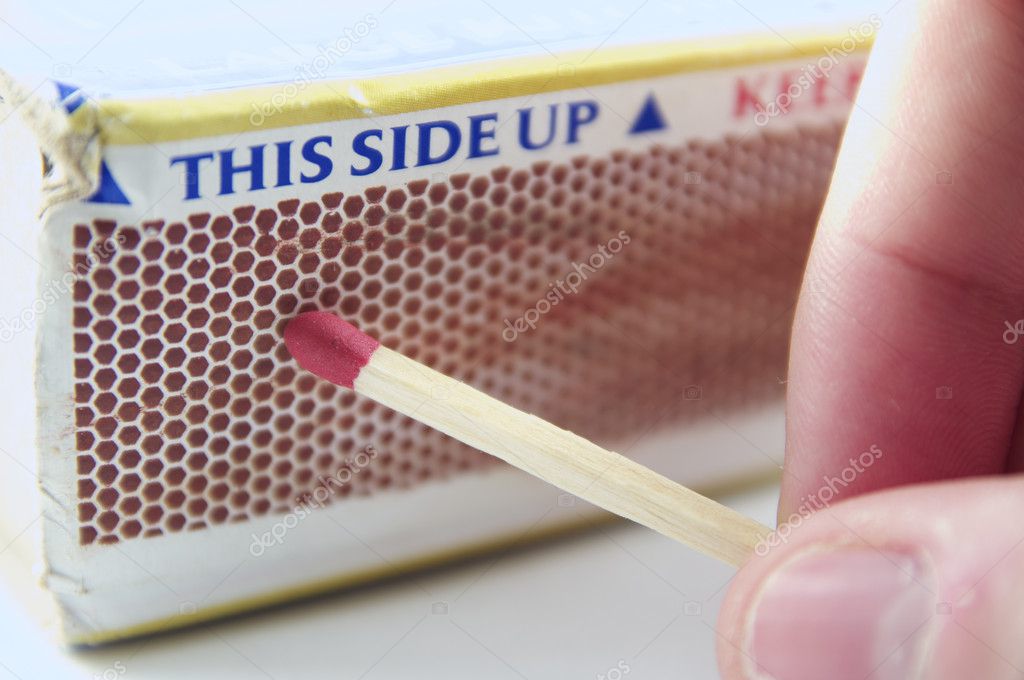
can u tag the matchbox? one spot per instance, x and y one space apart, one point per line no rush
526 220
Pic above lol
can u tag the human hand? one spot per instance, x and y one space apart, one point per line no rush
902 374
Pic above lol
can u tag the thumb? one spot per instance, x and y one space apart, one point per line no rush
916 582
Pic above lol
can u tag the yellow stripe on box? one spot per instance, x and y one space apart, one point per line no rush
150 121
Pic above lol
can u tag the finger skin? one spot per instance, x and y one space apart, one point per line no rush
898 349
964 530
917 261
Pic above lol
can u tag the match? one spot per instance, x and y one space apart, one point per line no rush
333 349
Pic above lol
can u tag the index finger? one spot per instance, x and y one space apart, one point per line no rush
898 345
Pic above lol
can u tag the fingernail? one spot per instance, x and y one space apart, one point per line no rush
844 614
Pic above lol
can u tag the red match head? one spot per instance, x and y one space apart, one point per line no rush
329 346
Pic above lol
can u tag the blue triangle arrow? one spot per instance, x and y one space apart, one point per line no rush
70 96
650 118
108 190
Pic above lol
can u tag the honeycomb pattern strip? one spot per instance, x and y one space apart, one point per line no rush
189 412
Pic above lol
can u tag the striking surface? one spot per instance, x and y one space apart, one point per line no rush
190 413
329 346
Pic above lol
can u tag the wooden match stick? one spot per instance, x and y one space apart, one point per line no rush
337 351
